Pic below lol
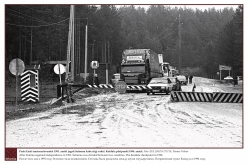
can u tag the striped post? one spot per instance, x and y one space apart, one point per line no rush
29 93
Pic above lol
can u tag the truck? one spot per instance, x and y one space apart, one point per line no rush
139 66
168 70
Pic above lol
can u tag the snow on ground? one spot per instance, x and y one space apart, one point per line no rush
130 120
212 85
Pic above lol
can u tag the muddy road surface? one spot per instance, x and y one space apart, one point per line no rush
130 120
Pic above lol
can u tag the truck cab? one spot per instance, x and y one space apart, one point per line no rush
134 67
139 66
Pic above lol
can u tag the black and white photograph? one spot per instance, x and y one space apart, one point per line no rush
159 76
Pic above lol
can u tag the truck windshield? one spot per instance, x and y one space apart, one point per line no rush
133 69
159 81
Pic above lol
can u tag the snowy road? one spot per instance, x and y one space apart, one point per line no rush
130 120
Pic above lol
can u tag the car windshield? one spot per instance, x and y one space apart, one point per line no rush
116 77
173 80
159 81
181 77
133 69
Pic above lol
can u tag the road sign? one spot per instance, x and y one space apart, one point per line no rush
16 66
59 69
121 87
224 67
94 64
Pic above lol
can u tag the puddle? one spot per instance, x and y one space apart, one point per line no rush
45 117
87 122
82 110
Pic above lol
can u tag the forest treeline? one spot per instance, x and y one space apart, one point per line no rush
209 38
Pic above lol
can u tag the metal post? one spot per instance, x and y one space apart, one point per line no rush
220 74
86 46
94 76
59 75
59 90
93 50
179 35
17 69
106 73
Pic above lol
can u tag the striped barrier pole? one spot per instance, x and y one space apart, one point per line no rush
228 97
191 96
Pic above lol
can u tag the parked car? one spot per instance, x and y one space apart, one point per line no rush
182 79
159 85
115 78
176 84
228 78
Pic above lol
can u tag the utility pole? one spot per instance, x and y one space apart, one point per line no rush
86 50
73 45
70 48
79 58
179 38
31 42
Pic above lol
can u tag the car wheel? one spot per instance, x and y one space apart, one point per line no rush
153 93
147 93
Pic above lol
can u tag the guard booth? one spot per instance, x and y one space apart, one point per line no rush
30 90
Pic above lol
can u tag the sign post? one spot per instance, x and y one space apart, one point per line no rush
59 69
94 65
16 67
121 87
223 67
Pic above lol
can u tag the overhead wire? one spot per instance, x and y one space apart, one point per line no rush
152 40
161 38
157 37
21 15
38 25
43 12
26 17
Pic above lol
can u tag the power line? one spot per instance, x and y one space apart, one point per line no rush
152 40
38 25
33 19
26 16
43 12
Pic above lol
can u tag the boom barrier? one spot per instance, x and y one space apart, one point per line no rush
62 90
228 97
191 96
207 97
